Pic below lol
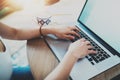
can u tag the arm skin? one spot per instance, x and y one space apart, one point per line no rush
63 70
21 34
77 50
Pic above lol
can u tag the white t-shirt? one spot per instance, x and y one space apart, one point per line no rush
5 64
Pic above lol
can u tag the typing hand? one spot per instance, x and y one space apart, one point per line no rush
81 48
68 32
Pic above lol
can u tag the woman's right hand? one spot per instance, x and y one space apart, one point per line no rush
81 48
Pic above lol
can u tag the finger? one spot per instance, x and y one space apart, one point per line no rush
69 37
76 29
83 39
87 42
74 33
92 51
90 47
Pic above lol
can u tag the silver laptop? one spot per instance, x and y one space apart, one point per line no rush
99 22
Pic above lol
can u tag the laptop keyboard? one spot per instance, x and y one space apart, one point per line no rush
93 58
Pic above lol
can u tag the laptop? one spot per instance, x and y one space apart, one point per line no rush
99 23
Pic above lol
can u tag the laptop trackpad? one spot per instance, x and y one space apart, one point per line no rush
58 46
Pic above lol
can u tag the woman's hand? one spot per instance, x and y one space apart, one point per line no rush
81 48
68 32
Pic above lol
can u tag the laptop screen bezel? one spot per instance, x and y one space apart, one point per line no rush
100 40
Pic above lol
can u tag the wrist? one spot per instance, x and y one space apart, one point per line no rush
75 55
72 56
47 30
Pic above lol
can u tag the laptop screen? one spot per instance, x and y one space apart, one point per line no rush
103 18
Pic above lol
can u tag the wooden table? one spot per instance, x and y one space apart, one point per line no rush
42 61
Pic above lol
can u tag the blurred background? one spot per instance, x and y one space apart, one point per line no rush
9 6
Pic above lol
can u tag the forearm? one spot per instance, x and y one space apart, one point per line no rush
21 34
62 71
32 33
